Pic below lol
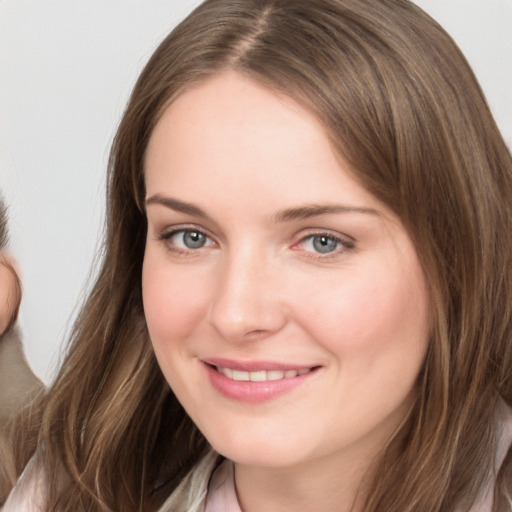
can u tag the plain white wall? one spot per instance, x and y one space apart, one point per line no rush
66 70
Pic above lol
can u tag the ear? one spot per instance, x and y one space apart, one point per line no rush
10 293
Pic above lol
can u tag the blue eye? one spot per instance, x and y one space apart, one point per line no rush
325 244
188 239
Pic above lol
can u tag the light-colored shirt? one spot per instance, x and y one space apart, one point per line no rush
221 495
29 493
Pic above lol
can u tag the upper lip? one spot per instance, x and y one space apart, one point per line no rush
255 366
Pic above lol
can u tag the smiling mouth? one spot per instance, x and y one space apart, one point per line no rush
261 375
256 381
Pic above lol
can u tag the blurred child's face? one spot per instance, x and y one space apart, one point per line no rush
8 294
286 305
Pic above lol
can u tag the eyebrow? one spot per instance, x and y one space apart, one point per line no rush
287 215
175 204
305 212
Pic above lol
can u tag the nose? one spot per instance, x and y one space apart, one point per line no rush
247 303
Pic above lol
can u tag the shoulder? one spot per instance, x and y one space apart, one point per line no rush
18 384
29 493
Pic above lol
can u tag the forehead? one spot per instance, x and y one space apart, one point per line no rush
232 104
231 135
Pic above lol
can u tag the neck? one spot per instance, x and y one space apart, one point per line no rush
307 491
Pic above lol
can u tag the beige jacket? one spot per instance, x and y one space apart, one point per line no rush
17 381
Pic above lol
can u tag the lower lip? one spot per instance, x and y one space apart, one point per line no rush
254 392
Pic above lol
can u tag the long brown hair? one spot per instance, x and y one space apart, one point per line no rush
400 103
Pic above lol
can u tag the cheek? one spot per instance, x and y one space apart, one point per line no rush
174 300
368 315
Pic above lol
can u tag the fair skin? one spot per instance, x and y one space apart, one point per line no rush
8 292
266 260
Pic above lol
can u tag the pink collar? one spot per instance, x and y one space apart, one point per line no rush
221 495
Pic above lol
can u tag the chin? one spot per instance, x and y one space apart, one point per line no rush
261 457
257 450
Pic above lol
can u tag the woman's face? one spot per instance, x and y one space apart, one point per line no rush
285 304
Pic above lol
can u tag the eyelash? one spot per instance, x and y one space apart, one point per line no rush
343 244
166 237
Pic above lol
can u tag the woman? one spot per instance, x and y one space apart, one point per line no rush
307 267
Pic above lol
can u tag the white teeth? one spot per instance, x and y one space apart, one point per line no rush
239 375
275 375
261 375
258 376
